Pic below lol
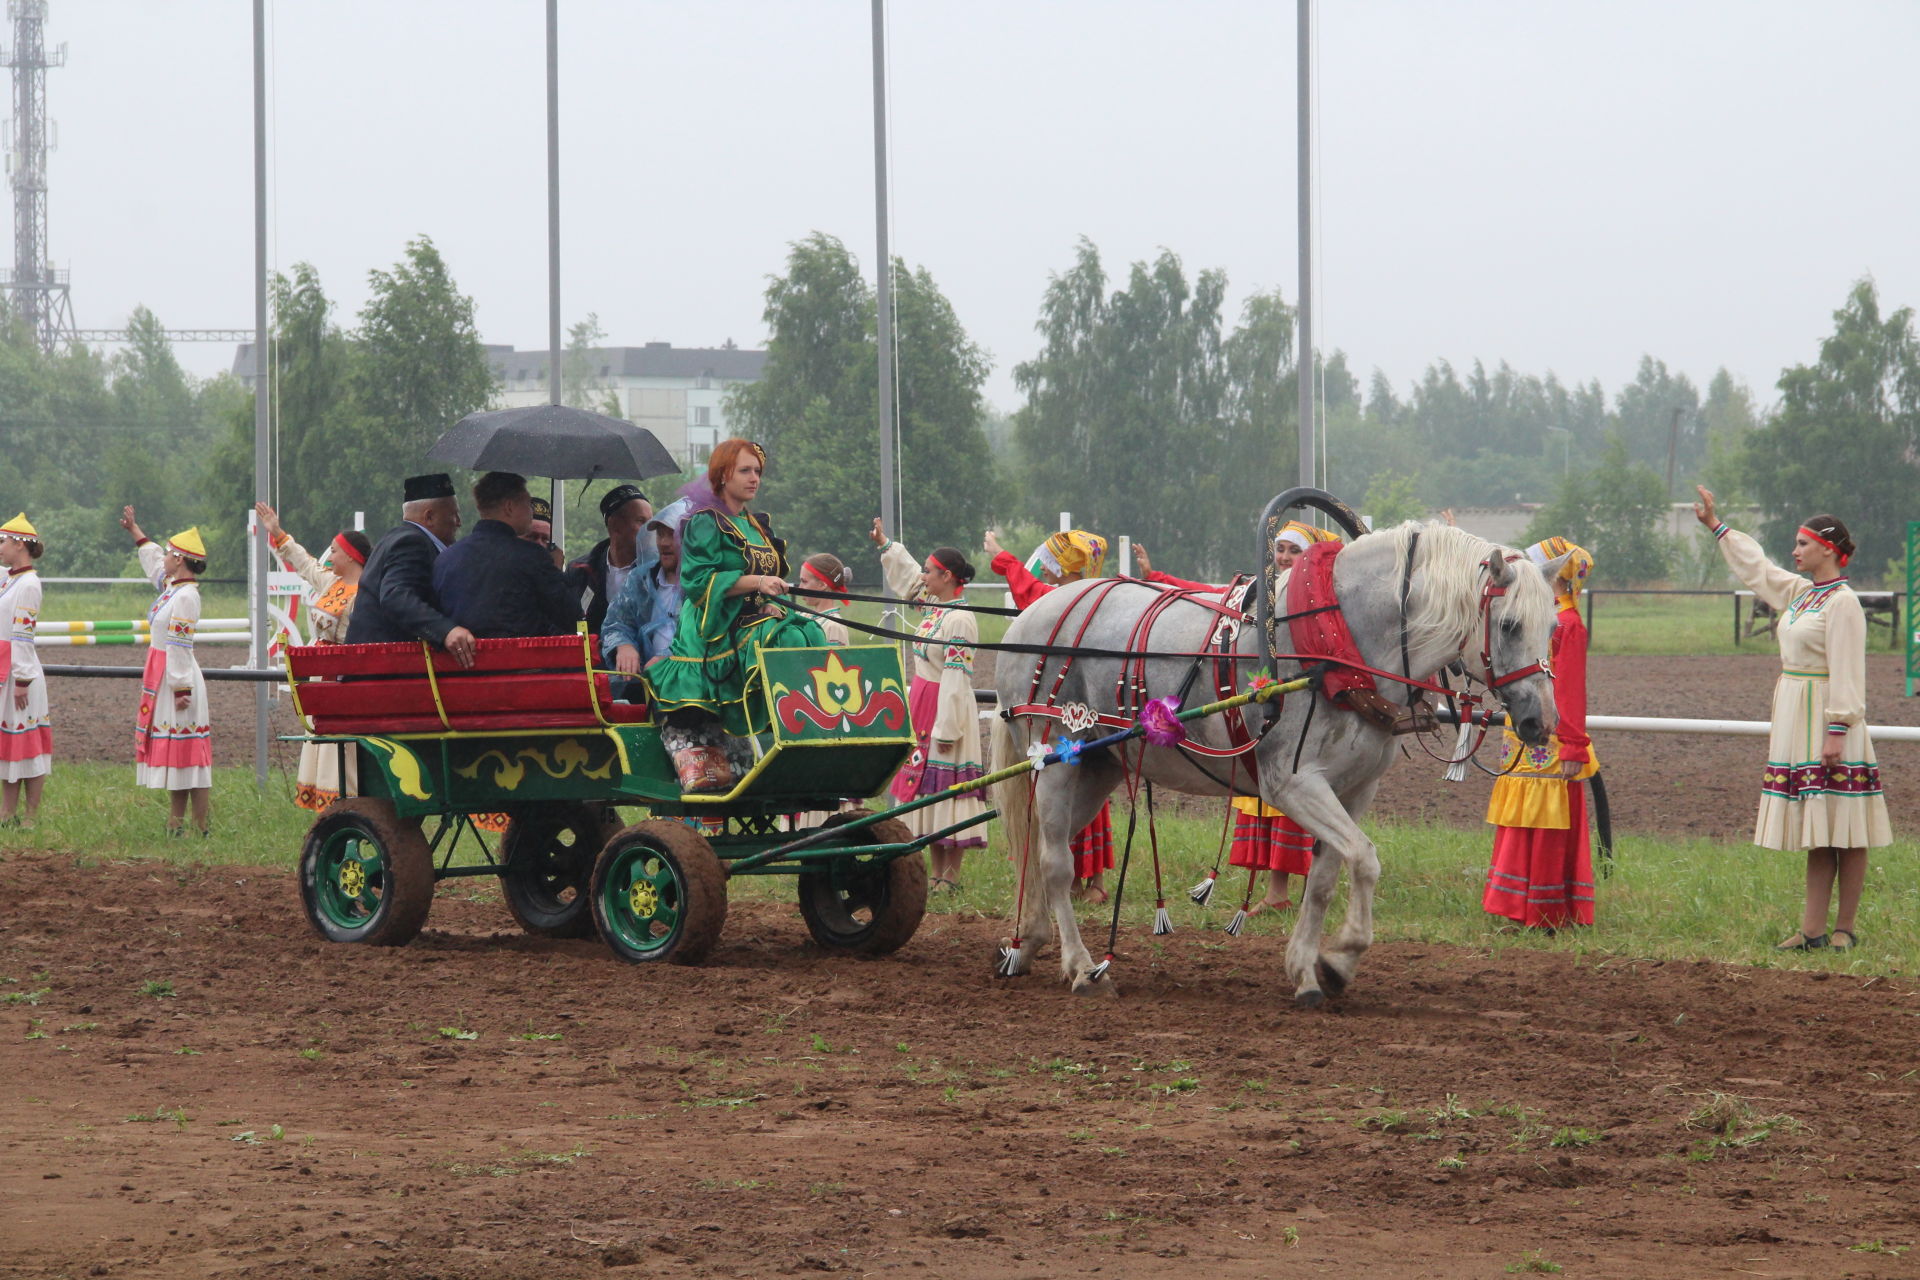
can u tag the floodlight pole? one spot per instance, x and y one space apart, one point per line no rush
1305 378
889 499
553 247
262 474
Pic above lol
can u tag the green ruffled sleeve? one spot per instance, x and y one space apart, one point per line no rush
709 565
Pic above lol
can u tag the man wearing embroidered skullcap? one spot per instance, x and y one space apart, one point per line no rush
598 575
396 601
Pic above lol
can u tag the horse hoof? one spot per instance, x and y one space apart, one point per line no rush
1332 981
1101 988
1309 999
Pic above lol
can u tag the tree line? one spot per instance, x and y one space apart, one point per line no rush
1145 410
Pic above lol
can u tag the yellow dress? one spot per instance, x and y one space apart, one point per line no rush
1822 685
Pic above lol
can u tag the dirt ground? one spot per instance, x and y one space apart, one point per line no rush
195 1086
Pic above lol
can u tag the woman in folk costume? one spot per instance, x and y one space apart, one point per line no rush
731 568
335 581
1264 838
1067 556
1542 871
26 740
946 722
172 740
824 572
1821 788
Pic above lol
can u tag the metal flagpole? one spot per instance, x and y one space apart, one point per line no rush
1306 364
889 498
553 246
257 547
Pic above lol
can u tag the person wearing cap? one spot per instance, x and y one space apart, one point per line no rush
1541 875
334 580
541 532
1288 544
496 583
640 623
946 722
396 602
26 738
598 575
732 569
172 738
1820 790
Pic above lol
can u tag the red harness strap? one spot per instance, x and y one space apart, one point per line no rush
1324 636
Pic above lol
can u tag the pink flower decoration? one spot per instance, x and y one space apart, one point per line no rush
1160 722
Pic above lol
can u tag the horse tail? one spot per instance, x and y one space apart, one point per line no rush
1012 798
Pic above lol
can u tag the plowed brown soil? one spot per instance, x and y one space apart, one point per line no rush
192 1085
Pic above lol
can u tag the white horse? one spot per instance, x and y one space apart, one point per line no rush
1425 595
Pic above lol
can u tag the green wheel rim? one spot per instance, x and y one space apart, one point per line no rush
350 879
643 899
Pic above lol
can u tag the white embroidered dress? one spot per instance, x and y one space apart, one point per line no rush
26 736
173 744
1822 685
946 722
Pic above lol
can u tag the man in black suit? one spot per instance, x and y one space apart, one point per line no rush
395 601
496 583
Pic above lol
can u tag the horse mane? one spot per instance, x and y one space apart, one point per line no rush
1449 560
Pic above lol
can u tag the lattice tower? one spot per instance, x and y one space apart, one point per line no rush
33 290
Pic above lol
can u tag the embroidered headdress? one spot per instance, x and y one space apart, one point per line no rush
189 544
1074 553
1572 572
20 529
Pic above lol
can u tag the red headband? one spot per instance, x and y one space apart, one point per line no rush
1844 557
823 579
341 544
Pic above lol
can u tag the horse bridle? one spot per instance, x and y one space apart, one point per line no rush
1488 594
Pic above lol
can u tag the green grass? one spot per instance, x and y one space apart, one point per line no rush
1667 899
93 604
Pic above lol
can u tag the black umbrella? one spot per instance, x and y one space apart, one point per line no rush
554 441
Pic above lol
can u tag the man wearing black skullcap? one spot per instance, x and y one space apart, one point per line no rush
396 600
494 581
599 575
541 534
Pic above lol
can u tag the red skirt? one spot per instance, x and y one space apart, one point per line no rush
1543 875
1271 844
1093 847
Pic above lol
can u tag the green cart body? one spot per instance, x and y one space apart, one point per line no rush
532 734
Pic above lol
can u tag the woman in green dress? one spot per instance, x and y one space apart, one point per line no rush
731 567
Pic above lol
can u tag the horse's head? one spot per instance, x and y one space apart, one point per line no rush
1516 609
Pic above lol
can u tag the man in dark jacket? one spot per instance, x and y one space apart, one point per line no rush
598 576
395 601
496 583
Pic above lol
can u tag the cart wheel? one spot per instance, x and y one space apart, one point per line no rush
546 859
659 893
870 909
366 874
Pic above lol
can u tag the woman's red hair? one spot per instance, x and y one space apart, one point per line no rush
726 456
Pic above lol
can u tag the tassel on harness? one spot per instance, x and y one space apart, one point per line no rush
1010 957
1202 893
1099 971
1457 767
1162 922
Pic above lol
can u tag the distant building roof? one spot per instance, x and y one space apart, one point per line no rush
653 360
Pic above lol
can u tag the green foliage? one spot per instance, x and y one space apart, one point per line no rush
1145 417
1391 499
1614 511
816 408
1847 438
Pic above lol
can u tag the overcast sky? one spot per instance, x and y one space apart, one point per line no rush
1564 186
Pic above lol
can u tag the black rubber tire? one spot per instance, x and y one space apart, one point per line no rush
871 910
366 874
547 857
659 893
